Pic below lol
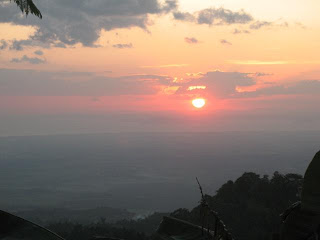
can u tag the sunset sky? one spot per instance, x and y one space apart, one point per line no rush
136 65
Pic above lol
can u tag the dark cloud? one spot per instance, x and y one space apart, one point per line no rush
184 16
225 42
3 44
38 52
215 16
222 16
191 40
80 21
34 83
18 45
122 46
25 58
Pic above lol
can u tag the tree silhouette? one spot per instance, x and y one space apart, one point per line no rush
27 6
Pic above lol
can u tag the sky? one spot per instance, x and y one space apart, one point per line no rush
136 65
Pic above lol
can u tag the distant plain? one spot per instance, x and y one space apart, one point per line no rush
140 171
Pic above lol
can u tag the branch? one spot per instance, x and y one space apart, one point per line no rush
220 230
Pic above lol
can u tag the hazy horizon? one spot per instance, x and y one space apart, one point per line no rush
146 171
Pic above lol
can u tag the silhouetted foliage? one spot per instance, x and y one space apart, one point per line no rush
251 205
27 6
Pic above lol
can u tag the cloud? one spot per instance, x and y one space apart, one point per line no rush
262 74
167 66
14 82
191 40
215 16
66 23
284 24
122 46
225 42
262 24
300 25
25 58
259 62
303 87
38 52
3 44
184 16
225 85
237 31
259 24
217 83
223 16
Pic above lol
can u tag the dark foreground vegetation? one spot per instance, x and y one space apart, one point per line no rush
249 206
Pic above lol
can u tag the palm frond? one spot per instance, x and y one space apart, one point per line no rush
27 6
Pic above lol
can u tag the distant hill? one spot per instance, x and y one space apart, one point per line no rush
44 216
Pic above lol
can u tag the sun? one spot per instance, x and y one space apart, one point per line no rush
198 102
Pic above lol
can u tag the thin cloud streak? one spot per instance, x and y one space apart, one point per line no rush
25 58
258 62
166 66
191 40
123 46
225 42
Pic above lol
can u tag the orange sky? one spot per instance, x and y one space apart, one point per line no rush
266 58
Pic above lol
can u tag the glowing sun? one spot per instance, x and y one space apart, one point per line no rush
198 102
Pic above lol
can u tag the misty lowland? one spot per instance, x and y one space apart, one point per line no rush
122 184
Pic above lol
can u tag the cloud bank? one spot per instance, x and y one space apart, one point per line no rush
15 82
66 23
223 85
